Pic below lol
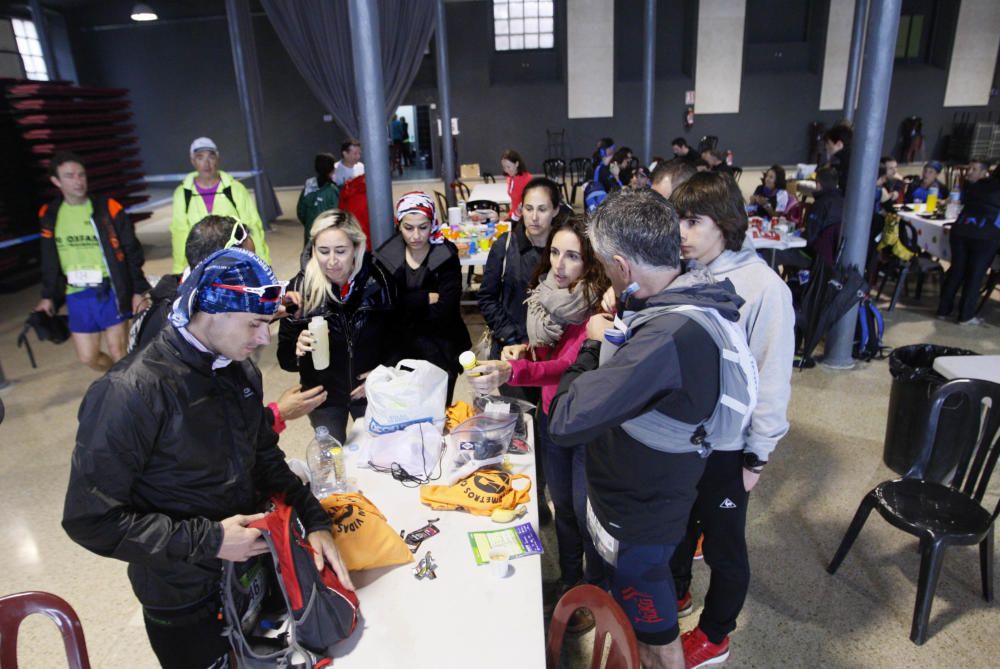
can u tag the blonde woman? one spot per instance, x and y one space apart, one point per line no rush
342 283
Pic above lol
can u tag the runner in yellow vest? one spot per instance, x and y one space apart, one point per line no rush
209 190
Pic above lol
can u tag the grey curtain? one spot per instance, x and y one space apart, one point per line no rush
317 36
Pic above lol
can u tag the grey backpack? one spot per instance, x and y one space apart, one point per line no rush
725 429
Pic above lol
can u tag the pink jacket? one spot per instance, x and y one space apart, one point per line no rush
546 373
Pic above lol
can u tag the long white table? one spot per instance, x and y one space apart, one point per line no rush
983 367
932 234
465 617
495 192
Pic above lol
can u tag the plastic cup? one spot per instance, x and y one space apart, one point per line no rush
499 562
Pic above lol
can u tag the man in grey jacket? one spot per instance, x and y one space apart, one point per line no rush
713 232
667 365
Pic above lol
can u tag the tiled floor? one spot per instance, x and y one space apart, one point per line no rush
796 615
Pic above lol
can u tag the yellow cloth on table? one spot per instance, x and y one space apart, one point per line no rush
479 494
456 413
362 534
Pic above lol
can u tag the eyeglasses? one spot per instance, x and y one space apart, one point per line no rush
239 235
272 293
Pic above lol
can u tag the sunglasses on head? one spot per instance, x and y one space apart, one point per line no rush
272 293
239 235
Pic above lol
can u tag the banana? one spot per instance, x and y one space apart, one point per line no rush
508 515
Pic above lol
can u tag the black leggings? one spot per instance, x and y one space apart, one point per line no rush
970 259
188 641
720 512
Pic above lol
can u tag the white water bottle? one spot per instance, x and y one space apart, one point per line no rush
320 331
325 456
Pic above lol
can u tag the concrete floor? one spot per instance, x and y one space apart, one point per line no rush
796 615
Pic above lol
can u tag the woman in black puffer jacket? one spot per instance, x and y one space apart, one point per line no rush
342 283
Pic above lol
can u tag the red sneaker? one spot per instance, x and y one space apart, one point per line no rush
684 605
697 549
700 652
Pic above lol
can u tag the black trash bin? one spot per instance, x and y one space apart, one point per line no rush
913 383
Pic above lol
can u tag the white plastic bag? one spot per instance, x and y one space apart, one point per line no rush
411 454
414 391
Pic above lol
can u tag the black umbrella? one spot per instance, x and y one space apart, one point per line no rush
831 293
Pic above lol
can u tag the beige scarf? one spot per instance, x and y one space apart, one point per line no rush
551 309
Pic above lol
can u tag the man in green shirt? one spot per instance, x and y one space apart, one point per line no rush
92 261
209 190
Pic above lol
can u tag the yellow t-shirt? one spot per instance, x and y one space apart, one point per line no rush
80 252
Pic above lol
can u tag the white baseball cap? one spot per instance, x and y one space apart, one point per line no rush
203 144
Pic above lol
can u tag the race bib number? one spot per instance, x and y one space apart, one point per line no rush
84 277
606 545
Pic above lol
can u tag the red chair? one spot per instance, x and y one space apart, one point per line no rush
609 618
15 608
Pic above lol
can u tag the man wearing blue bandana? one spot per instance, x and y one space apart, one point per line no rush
174 456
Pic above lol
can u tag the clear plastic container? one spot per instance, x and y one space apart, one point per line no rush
483 436
327 470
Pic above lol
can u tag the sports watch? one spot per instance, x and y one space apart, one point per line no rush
752 462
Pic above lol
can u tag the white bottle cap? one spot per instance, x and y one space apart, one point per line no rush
467 360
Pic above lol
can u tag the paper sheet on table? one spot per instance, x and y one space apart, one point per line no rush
518 541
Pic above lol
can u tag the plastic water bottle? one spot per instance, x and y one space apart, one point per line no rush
320 331
932 200
325 456
954 207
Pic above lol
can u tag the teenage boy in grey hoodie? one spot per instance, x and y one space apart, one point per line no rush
713 232
639 494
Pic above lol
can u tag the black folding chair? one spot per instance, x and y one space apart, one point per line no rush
943 514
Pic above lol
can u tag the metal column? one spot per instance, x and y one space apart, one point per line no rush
880 48
42 28
854 64
248 86
444 104
648 81
367 45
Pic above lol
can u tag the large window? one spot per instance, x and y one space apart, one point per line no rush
523 24
30 49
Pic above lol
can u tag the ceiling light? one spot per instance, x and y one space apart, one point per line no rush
143 12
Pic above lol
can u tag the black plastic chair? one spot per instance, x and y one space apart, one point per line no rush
478 205
581 171
920 266
460 189
488 177
737 173
943 515
992 281
442 205
555 169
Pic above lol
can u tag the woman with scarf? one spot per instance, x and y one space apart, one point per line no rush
427 274
565 291
342 283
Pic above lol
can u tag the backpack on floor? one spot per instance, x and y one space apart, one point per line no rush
279 610
868 334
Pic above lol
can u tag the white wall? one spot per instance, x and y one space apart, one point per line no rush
837 55
590 56
719 63
973 56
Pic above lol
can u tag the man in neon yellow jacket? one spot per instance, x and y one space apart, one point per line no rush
209 190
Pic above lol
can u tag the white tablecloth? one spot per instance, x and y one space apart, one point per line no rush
496 192
477 260
786 242
465 617
932 235
984 367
